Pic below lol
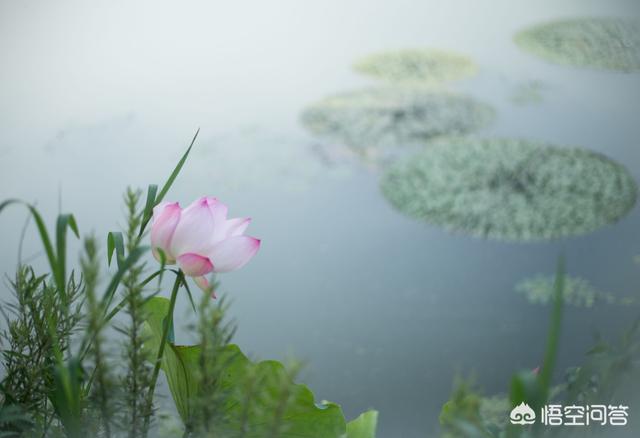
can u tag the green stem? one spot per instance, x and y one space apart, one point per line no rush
163 342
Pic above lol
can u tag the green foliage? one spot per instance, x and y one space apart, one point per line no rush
100 392
610 370
462 415
467 414
364 426
135 413
257 399
48 391
605 43
510 189
39 327
66 395
416 66
57 257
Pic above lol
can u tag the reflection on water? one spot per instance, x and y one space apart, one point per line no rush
384 309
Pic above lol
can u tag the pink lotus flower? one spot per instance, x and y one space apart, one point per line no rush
200 238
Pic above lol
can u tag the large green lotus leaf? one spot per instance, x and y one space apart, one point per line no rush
394 116
416 66
364 426
605 43
510 189
302 418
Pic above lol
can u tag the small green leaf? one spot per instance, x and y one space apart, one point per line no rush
148 206
64 221
115 241
364 426
186 286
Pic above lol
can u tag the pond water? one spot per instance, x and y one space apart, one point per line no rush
385 310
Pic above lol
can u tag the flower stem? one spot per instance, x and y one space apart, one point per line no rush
163 342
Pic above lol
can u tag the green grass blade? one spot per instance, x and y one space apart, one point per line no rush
64 222
115 242
148 206
44 237
553 337
167 185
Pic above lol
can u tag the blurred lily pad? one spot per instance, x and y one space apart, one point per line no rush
578 292
417 66
605 43
392 116
510 189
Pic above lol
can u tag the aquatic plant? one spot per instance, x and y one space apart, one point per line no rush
416 66
468 414
578 292
605 43
394 116
510 189
60 381
609 373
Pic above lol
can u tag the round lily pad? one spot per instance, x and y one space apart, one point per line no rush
417 66
510 189
606 43
394 116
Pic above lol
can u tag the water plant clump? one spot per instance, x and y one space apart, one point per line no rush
510 189
604 43
392 116
416 66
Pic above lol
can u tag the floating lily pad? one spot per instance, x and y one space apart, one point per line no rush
606 43
510 189
578 292
417 66
394 116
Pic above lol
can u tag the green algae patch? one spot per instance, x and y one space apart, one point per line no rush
392 116
603 43
509 189
416 66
